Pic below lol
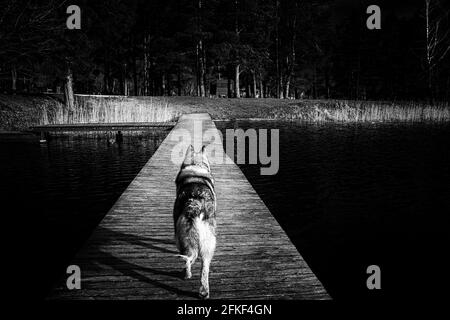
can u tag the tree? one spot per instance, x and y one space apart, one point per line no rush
291 56
237 63
437 40
320 48
200 51
27 32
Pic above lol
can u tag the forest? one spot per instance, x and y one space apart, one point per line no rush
228 48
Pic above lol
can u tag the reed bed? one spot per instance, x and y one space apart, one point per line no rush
19 112
356 111
91 109
110 109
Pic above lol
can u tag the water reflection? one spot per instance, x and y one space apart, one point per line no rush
350 196
61 190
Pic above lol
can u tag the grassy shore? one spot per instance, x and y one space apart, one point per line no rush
19 112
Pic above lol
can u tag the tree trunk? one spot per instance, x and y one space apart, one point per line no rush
315 82
197 69
287 80
261 86
254 84
114 85
135 78
14 79
168 84
205 82
287 87
291 59
237 93
152 90
163 84
105 79
281 87
179 81
429 47
124 83
69 98
277 53
125 86
147 65
202 71
201 65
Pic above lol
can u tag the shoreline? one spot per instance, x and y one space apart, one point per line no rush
19 112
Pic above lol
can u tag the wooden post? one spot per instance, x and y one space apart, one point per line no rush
43 138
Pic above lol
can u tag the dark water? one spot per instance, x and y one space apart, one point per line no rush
347 196
350 196
57 193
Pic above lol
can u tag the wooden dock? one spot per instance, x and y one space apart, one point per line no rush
119 126
131 254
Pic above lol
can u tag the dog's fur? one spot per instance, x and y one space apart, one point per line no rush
195 214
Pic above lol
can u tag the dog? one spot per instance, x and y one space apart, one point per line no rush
195 215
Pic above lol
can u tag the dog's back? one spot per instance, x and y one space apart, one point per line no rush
194 215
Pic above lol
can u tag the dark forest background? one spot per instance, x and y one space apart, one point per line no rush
234 48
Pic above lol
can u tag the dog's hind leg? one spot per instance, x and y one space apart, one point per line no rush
206 253
189 263
186 240
189 260
204 289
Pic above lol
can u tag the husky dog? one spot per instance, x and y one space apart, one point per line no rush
195 214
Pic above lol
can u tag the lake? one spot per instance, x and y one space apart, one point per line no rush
354 195
59 192
348 196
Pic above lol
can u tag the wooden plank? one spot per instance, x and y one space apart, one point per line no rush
131 254
120 126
